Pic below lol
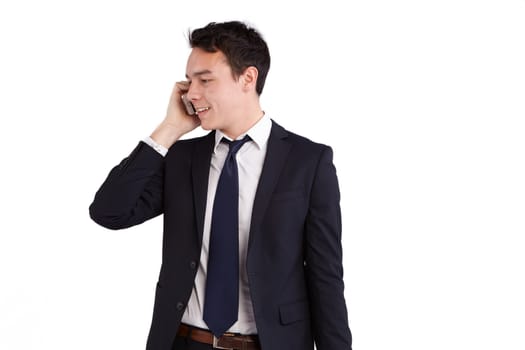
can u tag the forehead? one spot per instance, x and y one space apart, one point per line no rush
202 62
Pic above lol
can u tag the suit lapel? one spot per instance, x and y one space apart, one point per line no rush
276 154
200 173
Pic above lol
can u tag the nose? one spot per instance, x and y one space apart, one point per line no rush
193 93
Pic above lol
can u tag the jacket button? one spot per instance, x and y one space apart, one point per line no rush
180 306
193 265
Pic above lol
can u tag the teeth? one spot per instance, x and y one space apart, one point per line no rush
202 109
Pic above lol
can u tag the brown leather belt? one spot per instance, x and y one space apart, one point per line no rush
230 341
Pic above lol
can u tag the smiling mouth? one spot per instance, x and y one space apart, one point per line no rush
202 109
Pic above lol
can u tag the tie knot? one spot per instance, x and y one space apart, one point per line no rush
236 144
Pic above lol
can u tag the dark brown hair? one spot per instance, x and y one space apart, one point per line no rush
242 45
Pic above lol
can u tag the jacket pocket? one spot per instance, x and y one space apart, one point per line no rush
293 312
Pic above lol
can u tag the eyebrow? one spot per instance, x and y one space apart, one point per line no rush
199 73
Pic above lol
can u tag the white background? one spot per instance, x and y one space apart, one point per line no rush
422 101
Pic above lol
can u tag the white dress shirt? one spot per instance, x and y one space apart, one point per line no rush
250 159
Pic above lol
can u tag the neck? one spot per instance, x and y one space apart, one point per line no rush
247 120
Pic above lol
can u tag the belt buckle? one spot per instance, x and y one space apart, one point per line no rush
216 344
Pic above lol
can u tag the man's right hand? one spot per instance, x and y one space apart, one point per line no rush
177 122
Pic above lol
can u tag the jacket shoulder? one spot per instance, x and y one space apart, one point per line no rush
297 140
186 145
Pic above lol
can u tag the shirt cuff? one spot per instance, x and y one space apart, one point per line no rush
157 147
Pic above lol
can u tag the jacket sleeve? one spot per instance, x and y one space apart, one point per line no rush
323 260
133 191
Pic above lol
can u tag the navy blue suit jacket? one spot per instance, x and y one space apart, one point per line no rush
294 258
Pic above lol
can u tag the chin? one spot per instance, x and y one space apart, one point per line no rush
207 126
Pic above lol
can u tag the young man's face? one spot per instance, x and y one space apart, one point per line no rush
214 92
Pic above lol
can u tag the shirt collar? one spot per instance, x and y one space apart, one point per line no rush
259 133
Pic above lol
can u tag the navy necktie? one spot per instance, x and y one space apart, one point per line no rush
221 304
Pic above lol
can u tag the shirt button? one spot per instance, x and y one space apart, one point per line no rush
180 306
193 265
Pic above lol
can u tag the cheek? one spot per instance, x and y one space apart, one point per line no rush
221 99
214 95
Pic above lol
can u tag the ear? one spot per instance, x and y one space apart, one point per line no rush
249 78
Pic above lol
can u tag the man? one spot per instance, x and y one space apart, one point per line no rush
252 255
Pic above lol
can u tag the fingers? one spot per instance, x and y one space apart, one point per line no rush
182 86
179 89
178 109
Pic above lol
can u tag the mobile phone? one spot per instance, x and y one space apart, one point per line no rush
190 109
